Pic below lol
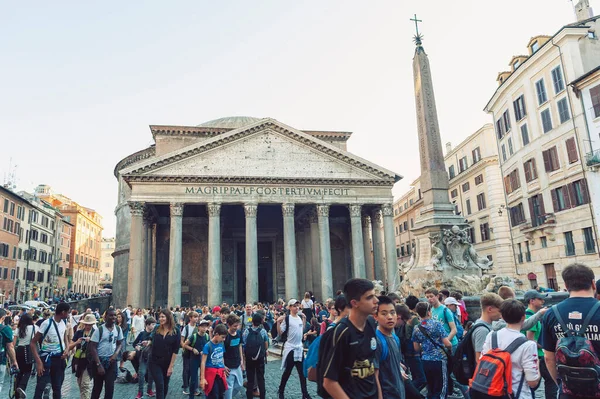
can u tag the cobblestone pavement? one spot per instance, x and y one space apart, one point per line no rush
129 391
272 376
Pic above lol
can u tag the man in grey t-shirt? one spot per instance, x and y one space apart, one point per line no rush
104 348
490 312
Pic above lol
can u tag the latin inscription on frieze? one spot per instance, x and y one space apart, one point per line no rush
268 191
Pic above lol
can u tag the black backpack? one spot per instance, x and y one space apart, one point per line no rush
463 361
255 345
283 336
577 362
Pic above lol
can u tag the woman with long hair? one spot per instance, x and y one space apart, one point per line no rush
165 345
307 306
23 334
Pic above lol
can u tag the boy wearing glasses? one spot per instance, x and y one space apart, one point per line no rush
104 347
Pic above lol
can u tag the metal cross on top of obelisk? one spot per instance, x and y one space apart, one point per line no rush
418 37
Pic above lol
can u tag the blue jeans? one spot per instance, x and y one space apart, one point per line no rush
54 375
142 373
194 369
415 366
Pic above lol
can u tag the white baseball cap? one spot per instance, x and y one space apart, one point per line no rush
451 301
293 302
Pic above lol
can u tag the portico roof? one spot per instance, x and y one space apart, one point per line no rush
200 159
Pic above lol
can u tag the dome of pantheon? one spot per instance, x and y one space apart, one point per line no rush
231 122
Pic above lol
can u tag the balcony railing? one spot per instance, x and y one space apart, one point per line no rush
592 158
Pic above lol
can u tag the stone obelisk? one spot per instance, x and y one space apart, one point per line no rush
436 215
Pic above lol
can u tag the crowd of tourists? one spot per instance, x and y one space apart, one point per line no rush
360 344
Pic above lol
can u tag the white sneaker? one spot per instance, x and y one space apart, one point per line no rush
21 394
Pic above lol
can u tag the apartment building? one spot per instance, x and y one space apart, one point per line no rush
542 137
12 216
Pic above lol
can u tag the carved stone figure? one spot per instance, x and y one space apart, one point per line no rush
481 262
437 254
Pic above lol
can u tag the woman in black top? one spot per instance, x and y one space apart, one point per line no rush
26 331
165 346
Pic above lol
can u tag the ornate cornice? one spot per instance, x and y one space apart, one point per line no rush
204 131
176 209
387 210
250 210
355 210
214 209
256 180
323 210
133 158
259 126
287 209
137 208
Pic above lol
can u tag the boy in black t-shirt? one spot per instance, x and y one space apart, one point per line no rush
579 280
350 371
194 344
233 357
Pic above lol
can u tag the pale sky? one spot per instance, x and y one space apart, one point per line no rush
81 81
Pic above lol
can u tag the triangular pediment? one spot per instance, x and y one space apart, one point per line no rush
266 149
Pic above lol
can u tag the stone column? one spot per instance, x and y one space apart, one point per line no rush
300 263
325 250
366 223
136 253
390 247
378 257
289 251
147 263
152 282
358 250
214 287
315 255
175 248
251 253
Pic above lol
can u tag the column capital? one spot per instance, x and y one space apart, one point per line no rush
323 210
377 217
355 210
176 209
137 208
148 218
366 221
387 209
250 210
312 216
213 209
287 209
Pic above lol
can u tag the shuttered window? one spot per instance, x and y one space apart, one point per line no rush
519 105
572 150
478 179
541 91
530 170
546 120
560 199
551 162
557 80
595 95
512 181
524 134
563 110
537 210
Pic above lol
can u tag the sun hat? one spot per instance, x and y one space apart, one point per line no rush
88 319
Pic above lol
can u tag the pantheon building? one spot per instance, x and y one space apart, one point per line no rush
244 209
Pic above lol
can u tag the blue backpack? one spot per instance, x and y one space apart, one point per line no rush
385 350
